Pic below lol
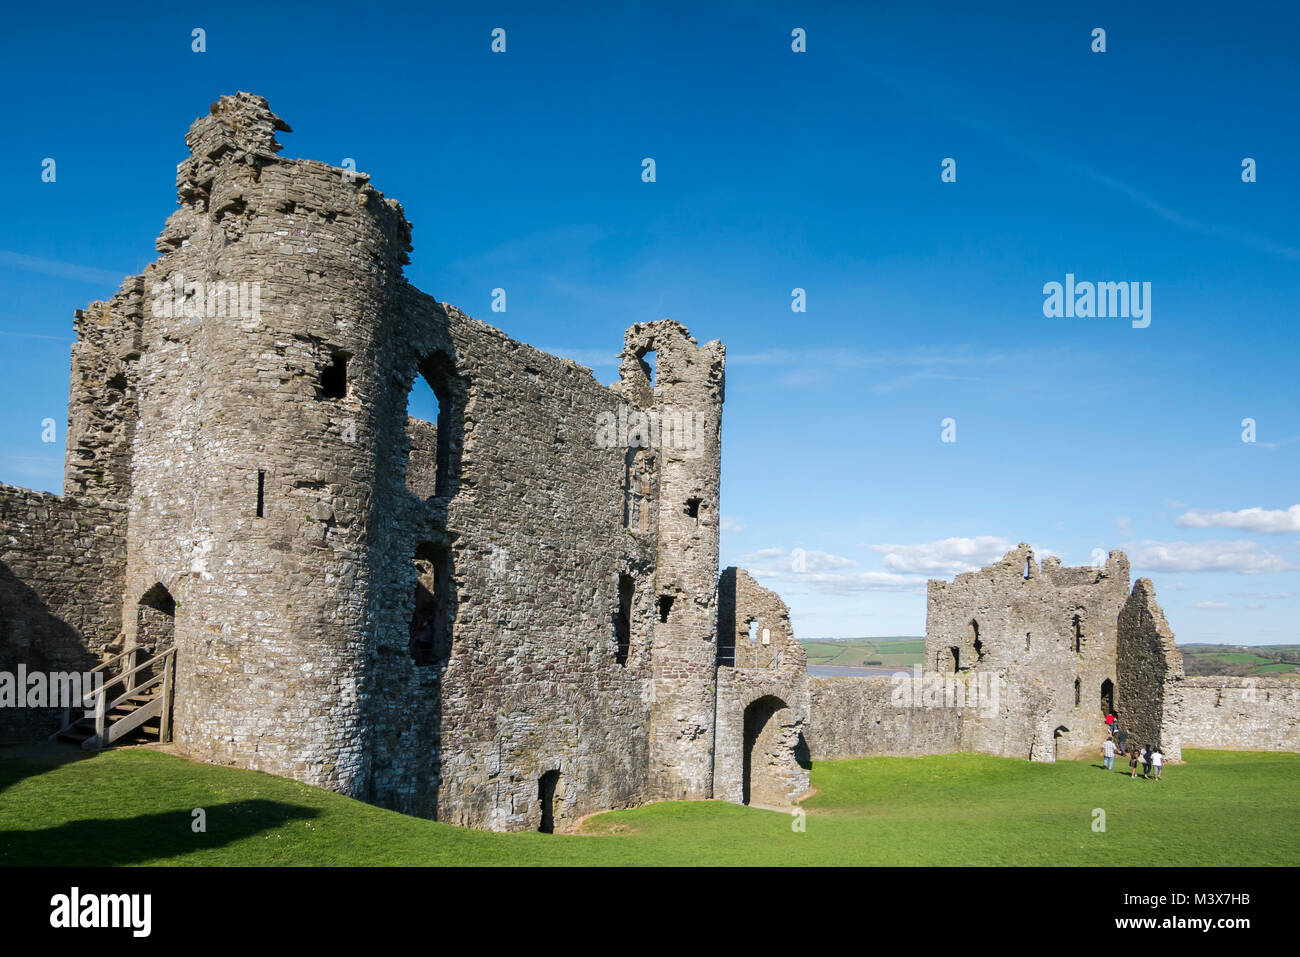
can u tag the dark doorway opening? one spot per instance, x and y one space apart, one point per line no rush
155 633
546 787
1107 696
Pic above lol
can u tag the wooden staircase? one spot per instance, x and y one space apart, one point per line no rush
137 698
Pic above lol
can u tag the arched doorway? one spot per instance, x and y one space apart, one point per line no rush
155 628
1061 743
1107 696
156 619
765 753
155 637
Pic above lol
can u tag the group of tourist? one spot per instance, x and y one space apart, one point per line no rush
1151 760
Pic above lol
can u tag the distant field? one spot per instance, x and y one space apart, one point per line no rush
1241 660
889 652
904 652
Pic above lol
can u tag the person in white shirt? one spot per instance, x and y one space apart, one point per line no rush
1108 754
1157 762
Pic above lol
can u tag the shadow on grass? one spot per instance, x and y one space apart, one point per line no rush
148 837
32 759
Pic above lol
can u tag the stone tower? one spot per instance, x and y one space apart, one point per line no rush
254 458
683 393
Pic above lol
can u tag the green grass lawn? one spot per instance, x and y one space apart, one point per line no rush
132 806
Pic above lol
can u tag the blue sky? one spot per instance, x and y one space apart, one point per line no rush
776 170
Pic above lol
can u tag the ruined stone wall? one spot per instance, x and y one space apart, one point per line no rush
63 558
862 717
761 754
61 567
1238 714
687 388
1041 629
534 524
1150 668
436 617
238 417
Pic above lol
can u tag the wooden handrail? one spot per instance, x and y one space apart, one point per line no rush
137 689
105 734
111 661
117 679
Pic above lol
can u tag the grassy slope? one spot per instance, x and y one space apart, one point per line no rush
133 807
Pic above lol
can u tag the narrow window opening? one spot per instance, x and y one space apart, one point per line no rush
1028 562
629 493
623 619
665 606
1078 635
434 607
956 658
261 494
753 631
979 645
649 360
437 401
693 508
1077 699
1026 641
334 377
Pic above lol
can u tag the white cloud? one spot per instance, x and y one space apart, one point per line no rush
1275 521
728 524
1211 605
823 572
797 561
853 583
950 556
1245 558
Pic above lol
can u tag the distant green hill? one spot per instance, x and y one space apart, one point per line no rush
1241 660
888 652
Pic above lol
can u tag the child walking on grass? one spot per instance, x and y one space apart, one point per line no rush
1133 764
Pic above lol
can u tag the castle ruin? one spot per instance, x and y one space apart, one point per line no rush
496 619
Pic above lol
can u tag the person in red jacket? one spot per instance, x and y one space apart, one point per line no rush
1110 722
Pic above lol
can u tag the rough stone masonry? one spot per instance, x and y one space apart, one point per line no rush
495 619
